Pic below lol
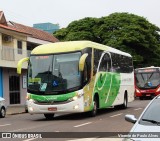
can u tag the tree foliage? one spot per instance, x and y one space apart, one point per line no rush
124 31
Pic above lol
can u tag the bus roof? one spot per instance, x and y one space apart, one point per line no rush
71 46
151 67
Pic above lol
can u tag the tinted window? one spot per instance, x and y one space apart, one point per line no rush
148 80
105 64
152 113
121 64
97 55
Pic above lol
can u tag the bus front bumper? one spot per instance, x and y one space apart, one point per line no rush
146 93
70 107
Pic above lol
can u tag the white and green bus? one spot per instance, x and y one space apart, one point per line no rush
77 76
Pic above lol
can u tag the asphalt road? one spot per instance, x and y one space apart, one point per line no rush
107 120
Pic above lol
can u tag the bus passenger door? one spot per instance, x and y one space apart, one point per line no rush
104 80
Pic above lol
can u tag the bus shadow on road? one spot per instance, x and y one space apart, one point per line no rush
83 116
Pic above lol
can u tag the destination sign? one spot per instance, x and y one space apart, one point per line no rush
146 70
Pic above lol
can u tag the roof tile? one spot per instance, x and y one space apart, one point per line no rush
35 33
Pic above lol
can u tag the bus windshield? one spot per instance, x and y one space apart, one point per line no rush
54 74
148 80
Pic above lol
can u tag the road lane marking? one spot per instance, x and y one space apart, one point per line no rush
83 139
137 109
28 128
116 115
4 125
30 139
97 139
83 124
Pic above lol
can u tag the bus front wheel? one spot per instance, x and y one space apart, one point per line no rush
49 116
93 113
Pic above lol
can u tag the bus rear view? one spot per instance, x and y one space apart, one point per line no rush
147 82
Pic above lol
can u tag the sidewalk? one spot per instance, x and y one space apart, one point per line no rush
17 109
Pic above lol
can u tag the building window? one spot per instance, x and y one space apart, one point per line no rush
19 44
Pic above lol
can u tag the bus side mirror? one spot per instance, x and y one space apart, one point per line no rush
19 65
82 61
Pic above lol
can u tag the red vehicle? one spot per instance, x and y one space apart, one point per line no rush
147 82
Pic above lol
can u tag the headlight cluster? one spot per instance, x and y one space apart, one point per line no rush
31 101
158 90
78 95
138 91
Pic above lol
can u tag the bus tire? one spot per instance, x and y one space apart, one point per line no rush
2 112
49 116
125 102
93 113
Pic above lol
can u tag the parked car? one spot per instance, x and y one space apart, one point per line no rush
148 124
2 108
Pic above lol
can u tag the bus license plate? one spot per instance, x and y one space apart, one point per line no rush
52 109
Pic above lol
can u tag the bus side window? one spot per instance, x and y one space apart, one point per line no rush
105 63
97 56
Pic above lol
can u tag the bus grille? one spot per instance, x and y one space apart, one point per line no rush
51 102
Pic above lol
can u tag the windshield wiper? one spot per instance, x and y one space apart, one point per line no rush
152 121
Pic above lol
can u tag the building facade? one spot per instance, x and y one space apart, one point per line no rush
16 42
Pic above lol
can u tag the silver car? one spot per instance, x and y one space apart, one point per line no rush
2 108
147 126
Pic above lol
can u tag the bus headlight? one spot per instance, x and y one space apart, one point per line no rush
31 109
158 89
138 91
80 93
73 98
31 101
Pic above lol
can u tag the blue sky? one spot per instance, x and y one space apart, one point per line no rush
63 12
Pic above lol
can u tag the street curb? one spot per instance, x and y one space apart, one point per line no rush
14 110
15 113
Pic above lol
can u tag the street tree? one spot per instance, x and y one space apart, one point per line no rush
127 32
